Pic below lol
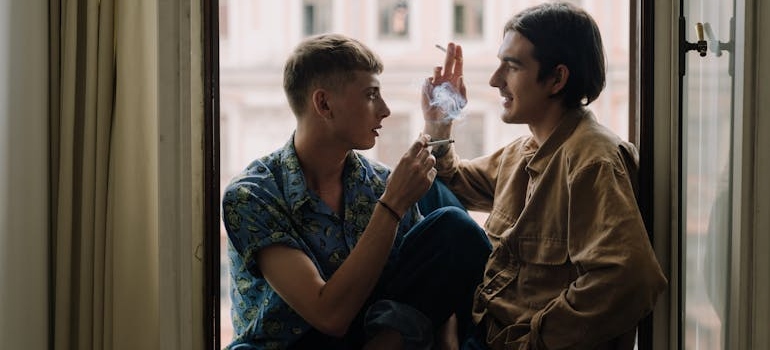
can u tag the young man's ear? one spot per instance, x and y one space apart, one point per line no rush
559 78
320 102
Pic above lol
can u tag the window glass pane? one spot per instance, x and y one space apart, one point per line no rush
708 115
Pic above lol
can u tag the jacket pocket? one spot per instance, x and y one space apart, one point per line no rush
510 337
545 269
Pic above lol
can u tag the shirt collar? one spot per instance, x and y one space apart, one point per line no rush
542 155
294 185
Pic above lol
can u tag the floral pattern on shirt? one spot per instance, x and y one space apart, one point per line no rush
269 203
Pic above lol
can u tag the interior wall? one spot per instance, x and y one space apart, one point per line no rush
23 174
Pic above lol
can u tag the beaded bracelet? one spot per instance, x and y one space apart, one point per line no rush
392 212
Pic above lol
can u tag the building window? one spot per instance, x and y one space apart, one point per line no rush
224 20
394 19
468 19
317 17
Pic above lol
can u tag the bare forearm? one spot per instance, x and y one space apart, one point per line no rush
345 292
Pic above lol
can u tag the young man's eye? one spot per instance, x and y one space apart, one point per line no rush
373 95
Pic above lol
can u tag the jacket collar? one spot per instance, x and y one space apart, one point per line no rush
542 155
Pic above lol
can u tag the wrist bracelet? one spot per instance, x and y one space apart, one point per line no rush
392 212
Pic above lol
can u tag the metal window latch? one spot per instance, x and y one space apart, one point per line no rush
707 41
701 45
715 45
685 46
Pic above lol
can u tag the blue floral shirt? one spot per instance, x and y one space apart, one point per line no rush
269 203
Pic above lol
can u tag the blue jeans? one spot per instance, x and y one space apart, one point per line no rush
434 275
474 341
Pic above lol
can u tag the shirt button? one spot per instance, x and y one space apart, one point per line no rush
488 290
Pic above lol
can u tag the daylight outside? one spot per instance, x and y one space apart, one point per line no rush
256 36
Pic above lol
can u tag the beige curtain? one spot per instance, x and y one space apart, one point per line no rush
104 169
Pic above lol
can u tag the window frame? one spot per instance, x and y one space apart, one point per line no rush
642 132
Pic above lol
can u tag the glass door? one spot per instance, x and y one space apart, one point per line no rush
707 119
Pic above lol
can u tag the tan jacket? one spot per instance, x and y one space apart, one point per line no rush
572 266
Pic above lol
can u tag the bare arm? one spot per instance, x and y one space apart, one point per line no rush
331 305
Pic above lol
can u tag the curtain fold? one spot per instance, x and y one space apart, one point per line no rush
104 163
86 94
133 181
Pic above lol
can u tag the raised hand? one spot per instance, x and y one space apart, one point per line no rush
443 94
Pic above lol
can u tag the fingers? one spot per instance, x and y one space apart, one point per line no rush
414 173
418 145
452 70
458 62
453 62
420 151
449 59
437 76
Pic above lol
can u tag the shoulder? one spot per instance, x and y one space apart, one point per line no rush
256 193
517 150
262 176
593 144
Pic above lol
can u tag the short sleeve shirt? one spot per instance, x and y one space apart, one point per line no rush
269 203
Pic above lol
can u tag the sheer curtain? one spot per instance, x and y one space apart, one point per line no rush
104 168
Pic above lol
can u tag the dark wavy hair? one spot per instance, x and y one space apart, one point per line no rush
563 33
326 60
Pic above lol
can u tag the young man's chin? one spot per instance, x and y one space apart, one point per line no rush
364 147
509 118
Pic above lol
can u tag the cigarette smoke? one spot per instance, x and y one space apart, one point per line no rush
449 100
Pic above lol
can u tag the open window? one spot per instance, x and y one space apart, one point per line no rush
253 118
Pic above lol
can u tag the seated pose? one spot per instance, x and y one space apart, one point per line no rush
572 266
328 249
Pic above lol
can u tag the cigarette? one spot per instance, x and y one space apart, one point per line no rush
440 142
440 47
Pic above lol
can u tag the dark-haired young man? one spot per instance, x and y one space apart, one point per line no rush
572 266
327 248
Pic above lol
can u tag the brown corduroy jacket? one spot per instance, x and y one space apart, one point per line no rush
572 266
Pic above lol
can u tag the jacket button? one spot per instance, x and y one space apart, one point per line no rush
488 290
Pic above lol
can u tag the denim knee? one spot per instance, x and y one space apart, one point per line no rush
462 233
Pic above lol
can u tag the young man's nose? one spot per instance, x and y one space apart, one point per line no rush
495 80
385 111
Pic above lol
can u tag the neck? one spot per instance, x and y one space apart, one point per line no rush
322 163
547 123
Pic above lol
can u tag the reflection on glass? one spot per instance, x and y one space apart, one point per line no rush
708 116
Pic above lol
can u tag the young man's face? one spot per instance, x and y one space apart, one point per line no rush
524 98
357 111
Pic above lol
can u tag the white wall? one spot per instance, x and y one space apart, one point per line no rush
24 217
